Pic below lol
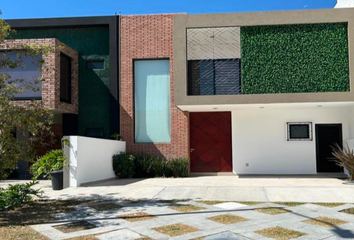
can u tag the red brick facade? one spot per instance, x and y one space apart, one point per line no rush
150 37
51 72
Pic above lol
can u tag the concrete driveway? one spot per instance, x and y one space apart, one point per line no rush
225 188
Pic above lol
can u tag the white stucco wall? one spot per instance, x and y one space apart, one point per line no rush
344 4
259 138
89 159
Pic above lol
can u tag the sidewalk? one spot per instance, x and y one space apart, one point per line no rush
225 188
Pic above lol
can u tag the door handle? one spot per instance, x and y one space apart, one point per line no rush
192 150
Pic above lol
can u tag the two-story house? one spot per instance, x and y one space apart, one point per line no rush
237 93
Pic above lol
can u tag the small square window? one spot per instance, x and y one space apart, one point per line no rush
94 132
301 131
96 64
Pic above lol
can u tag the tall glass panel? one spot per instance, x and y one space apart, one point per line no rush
152 101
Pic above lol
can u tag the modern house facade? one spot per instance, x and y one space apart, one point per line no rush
237 93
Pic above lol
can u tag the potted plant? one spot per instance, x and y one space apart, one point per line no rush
50 166
345 159
116 136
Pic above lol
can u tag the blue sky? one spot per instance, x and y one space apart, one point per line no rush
64 8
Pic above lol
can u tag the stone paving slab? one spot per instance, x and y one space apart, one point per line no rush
109 226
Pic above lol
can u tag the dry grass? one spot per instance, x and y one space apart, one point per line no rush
38 212
20 233
272 210
325 222
135 217
228 219
348 211
330 205
250 203
75 227
106 207
176 229
87 237
280 233
211 202
290 204
187 208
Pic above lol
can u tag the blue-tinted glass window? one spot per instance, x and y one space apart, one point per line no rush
152 101
99 64
214 77
26 74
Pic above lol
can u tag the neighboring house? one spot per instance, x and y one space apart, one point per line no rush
242 93
89 105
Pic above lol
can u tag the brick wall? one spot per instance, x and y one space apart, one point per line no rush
150 37
51 72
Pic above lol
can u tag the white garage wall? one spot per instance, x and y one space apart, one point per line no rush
89 159
259 139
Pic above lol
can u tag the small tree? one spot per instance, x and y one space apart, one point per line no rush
32 119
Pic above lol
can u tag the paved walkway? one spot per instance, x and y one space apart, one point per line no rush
148 220
227 188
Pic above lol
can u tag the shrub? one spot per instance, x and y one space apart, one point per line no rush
180 167
52 161
16 195
345 158
143 166
123 165
161 167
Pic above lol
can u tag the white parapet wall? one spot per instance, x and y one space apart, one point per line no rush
89 159
344 4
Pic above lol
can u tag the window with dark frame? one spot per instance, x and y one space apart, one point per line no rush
26 74
65 78
94 132
299 131
94 64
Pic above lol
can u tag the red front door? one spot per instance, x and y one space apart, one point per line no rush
210 140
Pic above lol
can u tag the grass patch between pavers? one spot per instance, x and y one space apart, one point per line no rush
87 237
250 203
19 233
348 211
330 205
187 208
280 233
106 207
75 227
290 204
228 219
325 222
136 217
272 210
207 202
176 229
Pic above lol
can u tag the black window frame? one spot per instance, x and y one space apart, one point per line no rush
24 98
69 84
191 85
308 124
90 61
100 130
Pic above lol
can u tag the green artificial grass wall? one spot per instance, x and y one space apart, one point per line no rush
295 58
90 43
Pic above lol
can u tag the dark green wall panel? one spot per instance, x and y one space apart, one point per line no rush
91 43
295 58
